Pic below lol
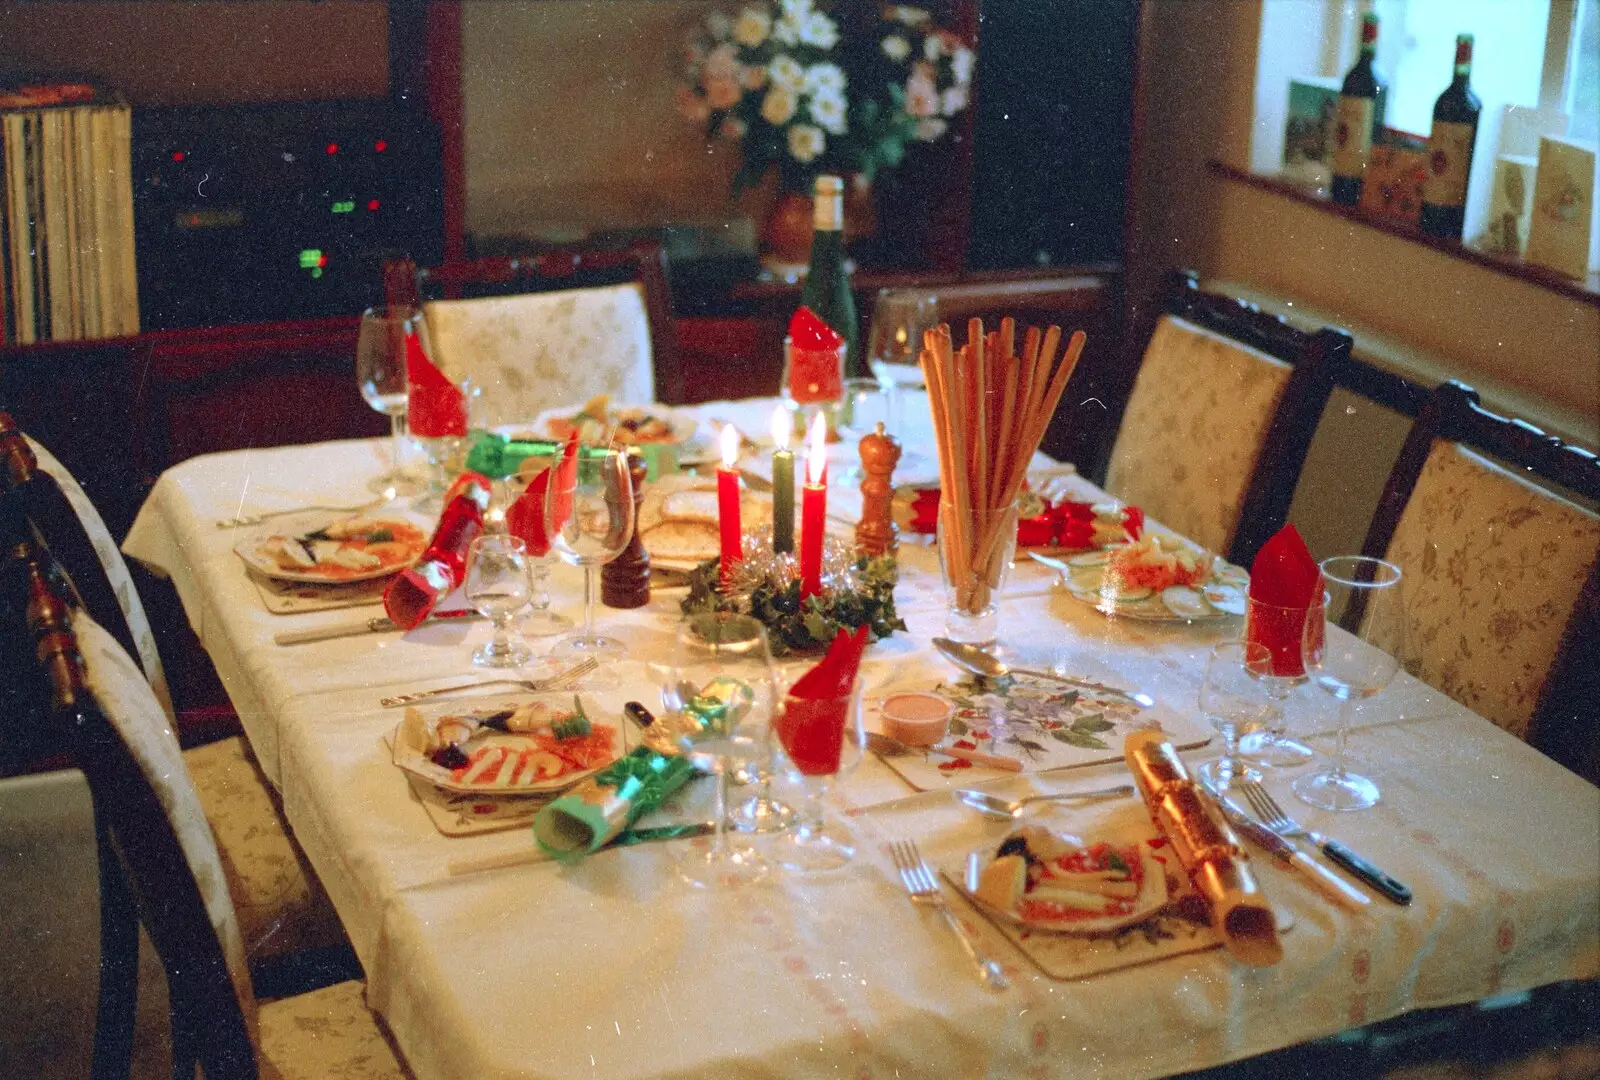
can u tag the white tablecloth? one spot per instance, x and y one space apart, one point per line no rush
614 969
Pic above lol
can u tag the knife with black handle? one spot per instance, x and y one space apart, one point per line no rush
1389 887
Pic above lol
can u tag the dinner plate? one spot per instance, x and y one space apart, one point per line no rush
1218 597
258 548
511 763
1153 894
682 425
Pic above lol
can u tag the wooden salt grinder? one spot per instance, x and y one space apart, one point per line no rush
876 533
625 580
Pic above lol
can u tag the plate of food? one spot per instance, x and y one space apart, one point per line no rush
629 425
332 550
1158 577
1042 880
505 747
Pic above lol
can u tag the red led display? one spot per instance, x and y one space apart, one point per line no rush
333 148
380 146
372 204
178 155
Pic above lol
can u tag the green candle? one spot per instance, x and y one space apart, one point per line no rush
782 482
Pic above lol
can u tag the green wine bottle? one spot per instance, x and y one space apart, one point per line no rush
827 289
1357 118
1455 130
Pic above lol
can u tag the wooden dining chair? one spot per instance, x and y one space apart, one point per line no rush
1501 571
160 865
553 328
1221 417
289 924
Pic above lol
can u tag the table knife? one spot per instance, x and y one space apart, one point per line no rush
377 625
1325 881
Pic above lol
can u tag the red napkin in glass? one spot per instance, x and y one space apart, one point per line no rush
435 407
1284 581
418 589
816 359
525 517
811 725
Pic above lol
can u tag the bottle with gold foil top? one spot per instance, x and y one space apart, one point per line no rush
1357 119
827 288
1455 130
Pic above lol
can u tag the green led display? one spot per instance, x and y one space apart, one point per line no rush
310 258
344 206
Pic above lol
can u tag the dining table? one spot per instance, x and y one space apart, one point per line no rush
613 967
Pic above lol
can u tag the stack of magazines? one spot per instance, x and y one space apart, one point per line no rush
66 219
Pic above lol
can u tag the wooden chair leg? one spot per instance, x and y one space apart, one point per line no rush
119 965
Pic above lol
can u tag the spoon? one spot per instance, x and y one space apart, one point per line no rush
995 806
973 659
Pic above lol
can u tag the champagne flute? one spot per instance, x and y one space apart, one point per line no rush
589 518
381 374
822 739
497 588
717 688
1236 696
1352 663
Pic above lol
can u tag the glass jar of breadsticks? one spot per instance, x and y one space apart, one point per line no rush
991 404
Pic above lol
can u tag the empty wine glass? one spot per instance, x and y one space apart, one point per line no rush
717 688
822 739
899 316
497 588
540 620
381 374
1352 656
589 518
864 406
1236 696
1280 629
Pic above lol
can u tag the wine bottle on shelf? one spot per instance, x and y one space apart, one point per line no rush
1455 130
1357 119
827 289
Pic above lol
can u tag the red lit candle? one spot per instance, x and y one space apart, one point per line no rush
728 503
814 508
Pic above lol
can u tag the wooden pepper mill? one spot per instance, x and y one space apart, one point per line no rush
625 580
876 532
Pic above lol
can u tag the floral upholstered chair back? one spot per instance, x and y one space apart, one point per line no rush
1493 567
531 351
1194 430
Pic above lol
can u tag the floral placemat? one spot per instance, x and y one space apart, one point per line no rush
1046 725
468 815
294 597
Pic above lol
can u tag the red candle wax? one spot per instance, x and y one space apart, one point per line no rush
728 504
814 509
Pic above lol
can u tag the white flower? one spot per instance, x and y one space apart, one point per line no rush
824 79
819 30
795 9
910 16
896 48
961 64
931 128
786 31
954 99
722 63
806 142
786 72
922 95
752 28
932 47
719 25
828 110
778 106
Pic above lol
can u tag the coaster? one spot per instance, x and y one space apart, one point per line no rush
294 597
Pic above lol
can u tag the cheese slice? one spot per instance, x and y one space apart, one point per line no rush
1003 882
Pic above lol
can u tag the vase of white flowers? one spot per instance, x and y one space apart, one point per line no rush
781 79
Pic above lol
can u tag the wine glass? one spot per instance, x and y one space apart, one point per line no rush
1236 696
540 620
1280 629
497 587
381 374
822 739
863 407
899 316
1352 663
717 689
588 512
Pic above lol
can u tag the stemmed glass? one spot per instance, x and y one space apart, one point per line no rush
381 374
1236 696
822 739
1280 629
497 588
1351 664
865 405
718 688
588 513
899 316
540 621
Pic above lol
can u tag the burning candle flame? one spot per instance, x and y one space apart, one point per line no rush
730 446
816 450
782 427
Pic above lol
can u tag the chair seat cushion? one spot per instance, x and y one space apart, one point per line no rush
282 907
328 1034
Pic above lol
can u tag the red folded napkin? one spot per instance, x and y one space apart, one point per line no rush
1284 582
525 516
435 407
816 364
811 725
417 590
1065 524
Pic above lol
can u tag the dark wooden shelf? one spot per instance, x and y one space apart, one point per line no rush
1586 291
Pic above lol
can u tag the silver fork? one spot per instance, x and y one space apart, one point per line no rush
559 681
924 889
256 519
1273 817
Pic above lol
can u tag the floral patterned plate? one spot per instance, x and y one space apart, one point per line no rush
1218 597
491 761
